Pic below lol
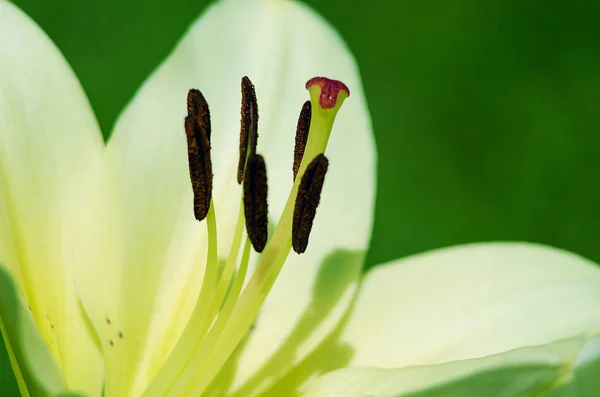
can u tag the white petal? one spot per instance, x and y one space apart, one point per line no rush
153 274
525 371
471 301
48 138
314 289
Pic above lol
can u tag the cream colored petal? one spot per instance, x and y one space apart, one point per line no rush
471 301
48 139
148 281
314 289
521 372
36 371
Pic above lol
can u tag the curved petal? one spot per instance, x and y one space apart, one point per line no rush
154 273
36 371
585 382
10 377
525 371
471 301
587 368
48 139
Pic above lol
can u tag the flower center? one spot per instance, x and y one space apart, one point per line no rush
224 311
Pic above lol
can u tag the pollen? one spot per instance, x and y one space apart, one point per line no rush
248 125
301 136
307 201
197 130
255 201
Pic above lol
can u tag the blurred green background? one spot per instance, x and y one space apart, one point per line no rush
486 113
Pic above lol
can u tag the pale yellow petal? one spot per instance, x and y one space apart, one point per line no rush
48 139
522 372
35 369
471 301
148 281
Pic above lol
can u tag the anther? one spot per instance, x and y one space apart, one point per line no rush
249 125
197 130
301 136
198 107
307 201
255 201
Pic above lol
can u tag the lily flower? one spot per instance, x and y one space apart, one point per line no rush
226 260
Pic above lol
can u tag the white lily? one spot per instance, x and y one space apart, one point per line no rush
110 286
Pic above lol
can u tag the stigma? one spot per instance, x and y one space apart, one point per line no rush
228 303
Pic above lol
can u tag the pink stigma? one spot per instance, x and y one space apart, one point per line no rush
329 90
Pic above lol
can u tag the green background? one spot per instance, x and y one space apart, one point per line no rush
486 113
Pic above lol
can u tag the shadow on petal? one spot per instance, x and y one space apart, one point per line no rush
282 372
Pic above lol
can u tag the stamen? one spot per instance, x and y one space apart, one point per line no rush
198 323
301 136
249 125
229 268
197 130
307 201
227 307
255 201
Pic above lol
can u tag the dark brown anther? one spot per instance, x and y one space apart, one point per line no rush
301 136
249 125
255 201
307 201
197 130
198 107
